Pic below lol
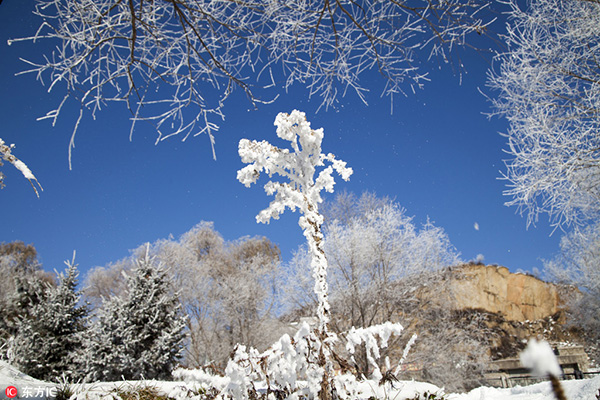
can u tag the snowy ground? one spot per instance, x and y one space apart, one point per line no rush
29 388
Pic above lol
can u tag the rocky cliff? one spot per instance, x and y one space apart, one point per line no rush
517 297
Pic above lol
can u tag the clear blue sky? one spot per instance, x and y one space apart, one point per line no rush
437 155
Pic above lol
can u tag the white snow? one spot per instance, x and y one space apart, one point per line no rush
191 381
584 389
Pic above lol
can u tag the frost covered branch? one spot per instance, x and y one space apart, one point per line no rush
302 191
175 62
5 152
549 91
369 336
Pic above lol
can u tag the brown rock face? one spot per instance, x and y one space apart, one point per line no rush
517 297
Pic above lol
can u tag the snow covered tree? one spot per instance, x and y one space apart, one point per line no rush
377 258
371 253
161 57
141 335
47 343
303 192
578 264
6 154
24 286
24 256
549 91
227 289
105 282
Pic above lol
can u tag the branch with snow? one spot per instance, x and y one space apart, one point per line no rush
548 86
176 63
6 153
369 336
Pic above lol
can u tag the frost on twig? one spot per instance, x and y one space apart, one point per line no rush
5 152
548 84
369 336
174 64
301 191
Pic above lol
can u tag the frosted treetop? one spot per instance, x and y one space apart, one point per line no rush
299 166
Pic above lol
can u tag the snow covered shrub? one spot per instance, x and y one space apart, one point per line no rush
375 338
291 368
291 365
64 389
302 191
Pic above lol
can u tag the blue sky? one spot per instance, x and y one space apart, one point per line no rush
438 155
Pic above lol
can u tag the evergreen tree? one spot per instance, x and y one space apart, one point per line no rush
141 335
45 346
24 285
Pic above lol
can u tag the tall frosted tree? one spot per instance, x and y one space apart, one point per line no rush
377 257
141 335
301 190
47 343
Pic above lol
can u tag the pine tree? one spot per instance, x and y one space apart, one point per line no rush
141 335
25 285
46 345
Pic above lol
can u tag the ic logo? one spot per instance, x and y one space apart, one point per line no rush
11 392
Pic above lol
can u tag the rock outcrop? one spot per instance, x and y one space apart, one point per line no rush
517 297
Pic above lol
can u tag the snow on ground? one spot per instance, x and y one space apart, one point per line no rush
33 389
585 389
